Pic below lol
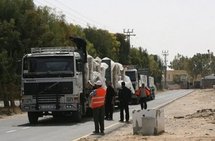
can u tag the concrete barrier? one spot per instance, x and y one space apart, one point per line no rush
1 104
148 122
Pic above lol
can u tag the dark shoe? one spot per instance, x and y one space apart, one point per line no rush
120 120
102 133
127 121
95 132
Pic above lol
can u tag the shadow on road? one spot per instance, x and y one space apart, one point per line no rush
50 121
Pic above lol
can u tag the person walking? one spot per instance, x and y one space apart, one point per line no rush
109 102
143 94
97 105
124 99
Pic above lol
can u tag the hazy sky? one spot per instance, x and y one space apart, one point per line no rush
186 27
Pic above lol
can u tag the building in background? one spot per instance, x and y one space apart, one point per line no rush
177 79
208 81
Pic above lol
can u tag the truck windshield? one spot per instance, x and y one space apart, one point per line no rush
52 66
131 75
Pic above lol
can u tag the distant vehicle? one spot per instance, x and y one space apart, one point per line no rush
133 75
138 77
115 74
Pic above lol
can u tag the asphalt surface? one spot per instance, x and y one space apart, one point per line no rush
17 128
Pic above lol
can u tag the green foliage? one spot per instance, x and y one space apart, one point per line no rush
124 49
179 63
23 26
198 65
155 67
105 44
139 57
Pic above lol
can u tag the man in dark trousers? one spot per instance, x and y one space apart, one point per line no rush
143 97
124 99
97 105
109 102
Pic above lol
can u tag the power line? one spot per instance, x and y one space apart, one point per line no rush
81 15
69 15
74 15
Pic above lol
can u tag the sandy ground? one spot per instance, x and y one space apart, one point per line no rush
191 118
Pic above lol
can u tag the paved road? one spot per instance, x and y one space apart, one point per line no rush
17 128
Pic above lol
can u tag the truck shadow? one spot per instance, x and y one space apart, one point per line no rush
50 121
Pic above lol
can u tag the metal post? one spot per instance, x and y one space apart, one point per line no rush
165 54
210 61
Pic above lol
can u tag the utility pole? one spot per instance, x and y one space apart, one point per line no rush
128 33
165 54
210 53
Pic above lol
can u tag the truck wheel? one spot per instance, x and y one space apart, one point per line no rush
56 115
33 117
77 116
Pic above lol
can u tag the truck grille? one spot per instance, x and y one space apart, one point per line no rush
48 89
49 92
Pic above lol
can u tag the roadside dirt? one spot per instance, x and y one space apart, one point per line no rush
6 112
191 118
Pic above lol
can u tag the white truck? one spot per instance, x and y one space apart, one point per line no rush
133 75
57 81
138 77
115 73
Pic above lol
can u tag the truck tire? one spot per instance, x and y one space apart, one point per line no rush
77 116
33 117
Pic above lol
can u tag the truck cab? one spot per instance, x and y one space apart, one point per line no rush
52 83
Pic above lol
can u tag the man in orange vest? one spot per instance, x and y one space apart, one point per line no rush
97 105
143 93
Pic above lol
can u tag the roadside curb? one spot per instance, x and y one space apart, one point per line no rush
169 102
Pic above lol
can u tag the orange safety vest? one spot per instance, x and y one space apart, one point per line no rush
98 100
147 91
137 92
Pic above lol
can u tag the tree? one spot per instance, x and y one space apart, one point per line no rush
199 65
155 67
139 57
179 62
104 42
124 49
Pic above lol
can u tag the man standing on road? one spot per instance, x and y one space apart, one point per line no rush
124 99
109 102
97 105
143 94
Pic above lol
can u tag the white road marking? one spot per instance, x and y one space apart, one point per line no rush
11 131
25 128
112 125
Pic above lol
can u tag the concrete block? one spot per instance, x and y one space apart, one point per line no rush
148 122
1 104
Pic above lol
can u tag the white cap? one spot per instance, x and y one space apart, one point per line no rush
99 83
